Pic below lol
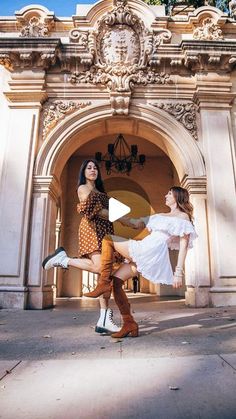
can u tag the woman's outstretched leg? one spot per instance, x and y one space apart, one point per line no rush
110 244
60 259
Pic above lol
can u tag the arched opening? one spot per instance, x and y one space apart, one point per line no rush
172 156
156 177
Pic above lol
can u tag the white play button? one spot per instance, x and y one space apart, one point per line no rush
117 209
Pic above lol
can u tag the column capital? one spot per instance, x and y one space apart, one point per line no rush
196 185
213 99
26 89
47 185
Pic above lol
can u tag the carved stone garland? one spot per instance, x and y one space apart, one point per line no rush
185 113
58 110
121 48
209 31
34 28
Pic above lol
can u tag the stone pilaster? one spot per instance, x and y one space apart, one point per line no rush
40 283
20 143
197 267
217 143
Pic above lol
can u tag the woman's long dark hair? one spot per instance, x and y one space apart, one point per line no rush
182 200
82 179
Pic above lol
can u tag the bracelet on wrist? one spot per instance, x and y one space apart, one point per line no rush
179 270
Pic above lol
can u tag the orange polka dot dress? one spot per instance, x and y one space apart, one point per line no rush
93 228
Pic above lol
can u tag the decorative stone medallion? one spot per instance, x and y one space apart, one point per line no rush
121 48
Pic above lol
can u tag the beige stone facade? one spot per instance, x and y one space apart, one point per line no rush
68 87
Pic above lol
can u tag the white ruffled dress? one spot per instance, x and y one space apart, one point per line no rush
151 254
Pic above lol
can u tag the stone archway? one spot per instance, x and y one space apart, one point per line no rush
143 119
152 124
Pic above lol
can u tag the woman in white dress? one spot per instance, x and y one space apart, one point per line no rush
150 256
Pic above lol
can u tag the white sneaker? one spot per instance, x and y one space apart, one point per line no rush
106 323
58 259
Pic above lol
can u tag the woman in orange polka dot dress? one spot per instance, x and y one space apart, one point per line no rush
94 225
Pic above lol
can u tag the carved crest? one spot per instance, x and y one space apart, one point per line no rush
122 48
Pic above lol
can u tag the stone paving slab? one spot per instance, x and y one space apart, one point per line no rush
231 359
120 389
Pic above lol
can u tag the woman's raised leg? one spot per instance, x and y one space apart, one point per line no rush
110 244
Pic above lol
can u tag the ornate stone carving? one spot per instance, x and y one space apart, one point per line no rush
232 9
47 58
58 110
34 28
81 38
209 31
121 50
191 59
160 36
232 61
214 58
25 59
6 61
185 113
35 53
176 61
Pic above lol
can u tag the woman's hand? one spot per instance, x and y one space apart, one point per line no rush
178 281
137 223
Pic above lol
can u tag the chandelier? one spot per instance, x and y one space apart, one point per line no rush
120 157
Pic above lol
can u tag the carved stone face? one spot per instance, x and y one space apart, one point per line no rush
119 45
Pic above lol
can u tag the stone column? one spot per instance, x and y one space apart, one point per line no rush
40 283
217 142
197 266
21 119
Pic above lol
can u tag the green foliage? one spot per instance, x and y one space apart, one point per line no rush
220 4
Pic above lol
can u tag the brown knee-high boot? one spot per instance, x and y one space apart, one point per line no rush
104 285
120 297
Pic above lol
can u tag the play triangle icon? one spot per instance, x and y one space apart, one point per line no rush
117 209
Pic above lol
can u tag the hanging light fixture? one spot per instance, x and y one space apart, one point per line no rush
121 157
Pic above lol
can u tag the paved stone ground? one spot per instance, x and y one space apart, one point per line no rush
183 365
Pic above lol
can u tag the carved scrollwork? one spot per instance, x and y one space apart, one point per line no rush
79 37
34 28
209 31
160 36
185 113
58 110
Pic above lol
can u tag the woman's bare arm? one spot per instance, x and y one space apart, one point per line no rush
83 193
178 274
136 223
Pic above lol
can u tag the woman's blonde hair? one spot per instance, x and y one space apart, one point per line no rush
182 200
